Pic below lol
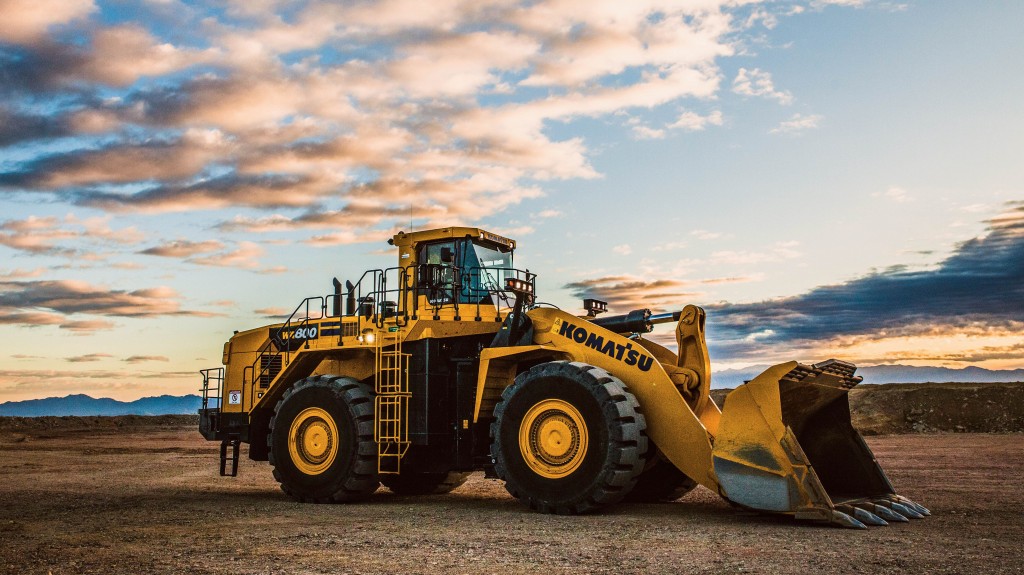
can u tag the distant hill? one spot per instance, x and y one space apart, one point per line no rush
878 374
84 405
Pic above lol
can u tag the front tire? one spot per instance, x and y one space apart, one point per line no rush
568 438
660 481
321 441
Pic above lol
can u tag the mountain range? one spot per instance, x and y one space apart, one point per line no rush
84 405
878 374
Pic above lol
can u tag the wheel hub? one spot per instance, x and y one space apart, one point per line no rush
553 438
313 441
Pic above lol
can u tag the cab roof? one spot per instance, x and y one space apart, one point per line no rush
402 239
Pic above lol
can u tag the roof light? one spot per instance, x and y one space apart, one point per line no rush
595 306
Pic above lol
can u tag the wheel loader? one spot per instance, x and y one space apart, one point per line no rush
416 375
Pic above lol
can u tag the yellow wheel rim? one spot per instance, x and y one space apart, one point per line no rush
313 441
553 438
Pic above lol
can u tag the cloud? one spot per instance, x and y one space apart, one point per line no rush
626 293
270 191
17 127
819 4
246 255
274 313
372 114
430 201
460 65
34 235
88 358
686 122
144 358
114 56
119 163
28 318
642 132
87 327
28 21
894 194
758 83
733 279
120 55
607 39
669 246
797 124
54 236
20 274
48 302
694 122
623 249
983 353
705 235
183 248
213 252
976 290
780 251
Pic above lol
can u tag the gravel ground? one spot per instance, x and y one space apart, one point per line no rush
149 500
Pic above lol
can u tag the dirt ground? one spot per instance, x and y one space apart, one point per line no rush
149 500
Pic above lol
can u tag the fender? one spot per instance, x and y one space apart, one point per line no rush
498 369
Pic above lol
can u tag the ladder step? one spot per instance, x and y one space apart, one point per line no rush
234 443
389 456
391 406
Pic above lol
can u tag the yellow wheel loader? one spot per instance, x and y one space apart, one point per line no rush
416 375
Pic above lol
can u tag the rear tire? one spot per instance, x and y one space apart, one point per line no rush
321 441
410 483
568 438
660 482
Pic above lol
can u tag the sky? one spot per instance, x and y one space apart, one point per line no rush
828 178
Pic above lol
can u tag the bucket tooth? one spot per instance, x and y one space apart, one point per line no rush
891 515
895 508
863 515
883 512
907 511
915 506
843 520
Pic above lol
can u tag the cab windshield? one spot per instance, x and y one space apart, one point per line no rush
482 270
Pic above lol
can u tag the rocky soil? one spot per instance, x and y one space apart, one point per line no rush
149 500
115 495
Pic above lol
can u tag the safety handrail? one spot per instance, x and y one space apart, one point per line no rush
216 375
280 343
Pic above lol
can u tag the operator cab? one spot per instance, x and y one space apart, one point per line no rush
466 266
464 270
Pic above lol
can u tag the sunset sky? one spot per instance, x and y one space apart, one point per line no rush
828 178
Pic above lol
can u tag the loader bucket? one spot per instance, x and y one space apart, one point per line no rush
786 444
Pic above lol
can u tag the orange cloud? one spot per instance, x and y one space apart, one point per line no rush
183 248
144 358
88 358
626 293
28 21
66 297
